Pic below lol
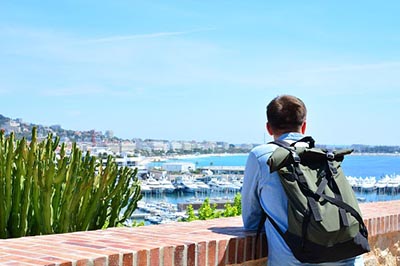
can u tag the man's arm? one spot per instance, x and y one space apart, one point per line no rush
251 208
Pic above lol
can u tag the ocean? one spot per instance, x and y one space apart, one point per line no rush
353 165
363 166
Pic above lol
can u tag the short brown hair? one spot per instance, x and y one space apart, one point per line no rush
286 113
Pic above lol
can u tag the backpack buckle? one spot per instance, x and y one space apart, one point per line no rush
330 155
296 157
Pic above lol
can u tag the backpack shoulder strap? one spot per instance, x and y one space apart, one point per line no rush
281 143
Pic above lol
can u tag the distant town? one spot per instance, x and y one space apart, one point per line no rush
100 143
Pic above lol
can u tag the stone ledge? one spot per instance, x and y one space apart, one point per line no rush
214 242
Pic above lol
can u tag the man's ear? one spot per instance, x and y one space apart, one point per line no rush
269 130
303 127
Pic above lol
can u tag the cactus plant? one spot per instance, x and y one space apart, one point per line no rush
43 190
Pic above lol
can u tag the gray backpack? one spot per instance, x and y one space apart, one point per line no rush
324 219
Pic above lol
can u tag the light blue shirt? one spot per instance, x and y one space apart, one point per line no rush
262 190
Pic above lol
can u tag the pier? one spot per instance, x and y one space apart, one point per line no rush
135 216
221 170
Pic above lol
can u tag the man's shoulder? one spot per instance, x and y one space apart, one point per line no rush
263 150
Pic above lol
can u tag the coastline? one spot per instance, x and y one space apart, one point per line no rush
160 159
191 156
374 154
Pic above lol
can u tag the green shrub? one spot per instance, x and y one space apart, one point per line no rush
43 190
191 216
208 211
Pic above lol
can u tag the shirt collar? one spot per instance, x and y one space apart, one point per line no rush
291 136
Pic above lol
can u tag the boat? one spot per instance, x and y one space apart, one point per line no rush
382 184
368 184
186 184
189 186
144 188
201 186
222 184
214 184
154 185
160 212
393 184
166 185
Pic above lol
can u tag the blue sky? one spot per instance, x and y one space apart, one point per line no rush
202 70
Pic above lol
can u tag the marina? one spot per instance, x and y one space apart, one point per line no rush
386 184
192 184
161 205
166 195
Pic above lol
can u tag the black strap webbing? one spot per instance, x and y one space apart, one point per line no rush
321 186
338 202
312 202
335 189
264 217
348 209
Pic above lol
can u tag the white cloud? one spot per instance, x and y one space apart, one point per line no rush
144 36
127 92
91 91
72 91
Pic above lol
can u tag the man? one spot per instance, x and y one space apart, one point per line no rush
262 190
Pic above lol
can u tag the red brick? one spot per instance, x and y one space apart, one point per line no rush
249 248
113 260
66 264
374 227
100 261
231 251
191 255
12 258
212 253
398 222
142 258
201 254
84 262
168 256
381 225
127 259
387 224
54 259
259 248
179 256
222 251
155 257
240 250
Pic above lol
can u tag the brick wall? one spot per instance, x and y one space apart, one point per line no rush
213 242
